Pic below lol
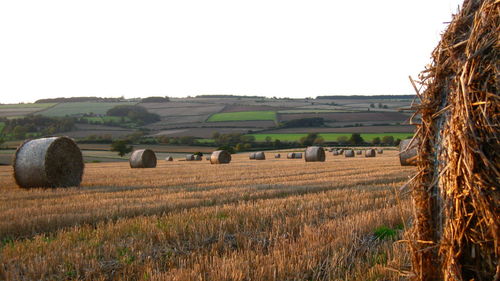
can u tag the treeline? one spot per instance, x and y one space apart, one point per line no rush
228 96
137 114
20 128
155 99
359 97
80 99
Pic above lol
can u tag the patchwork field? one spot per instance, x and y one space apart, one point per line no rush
277 219
78 108
329 137
243 116
22 109
350 116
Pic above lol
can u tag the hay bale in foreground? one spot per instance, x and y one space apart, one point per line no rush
380 151
169 158
456 188
142 158
315 154
260 155
277 155
359 152
408 152
349 153
48 162
370 153
220 157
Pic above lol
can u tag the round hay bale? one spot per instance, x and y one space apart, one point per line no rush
190 157
251 156
297 155
142 158
220 157
408 152
341 151
359 152
169 158
335 153
198 157
290 155
277 155
349 153
315 154
380 151
260 155
370 153
48 162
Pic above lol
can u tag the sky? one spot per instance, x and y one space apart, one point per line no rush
194 47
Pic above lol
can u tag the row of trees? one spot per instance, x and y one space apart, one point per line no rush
20 128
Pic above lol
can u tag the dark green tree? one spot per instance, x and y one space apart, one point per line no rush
356 139
121 146
388 140
376 140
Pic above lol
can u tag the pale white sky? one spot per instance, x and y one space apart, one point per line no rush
179 48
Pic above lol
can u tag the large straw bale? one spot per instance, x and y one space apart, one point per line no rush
349 153
142 158
315 154
457 188
408 152
370 153
48 162
260 155
220 157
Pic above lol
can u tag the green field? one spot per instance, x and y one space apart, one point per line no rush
243 116
26 105
78 108
2 125
298 111
328 137
104 119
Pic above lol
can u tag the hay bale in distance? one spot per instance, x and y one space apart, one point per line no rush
370 153
251 156
407 153
48 162
297 155
380 151
290 155
169 158
220 157
359 152
277 155
190 157
198 157
260 155
335 153
315 154
142 158
349 153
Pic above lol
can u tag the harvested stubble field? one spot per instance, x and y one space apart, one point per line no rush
277 219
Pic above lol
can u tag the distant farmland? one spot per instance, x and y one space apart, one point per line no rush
22 109
76 108
243 116
328 136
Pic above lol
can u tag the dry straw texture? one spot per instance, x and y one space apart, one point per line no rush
349 153
143 158
315 154
408 152
456 190
220 157
370 153
48 162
